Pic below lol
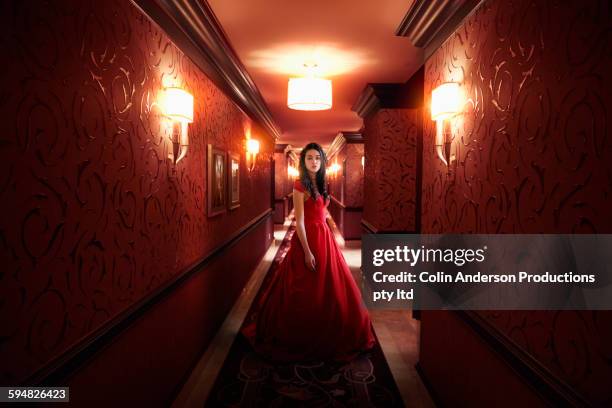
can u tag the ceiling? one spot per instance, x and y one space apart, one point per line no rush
352 42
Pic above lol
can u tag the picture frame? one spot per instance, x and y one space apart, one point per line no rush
217 181
233 172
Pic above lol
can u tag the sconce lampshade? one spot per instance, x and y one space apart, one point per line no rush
292 171
445 101
252 146
309 94
178 105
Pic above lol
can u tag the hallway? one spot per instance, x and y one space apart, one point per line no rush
396 331
156 154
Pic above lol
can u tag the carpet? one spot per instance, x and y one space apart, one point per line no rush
247 380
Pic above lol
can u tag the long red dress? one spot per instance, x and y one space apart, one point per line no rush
306 315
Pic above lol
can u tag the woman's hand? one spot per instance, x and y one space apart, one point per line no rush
309 260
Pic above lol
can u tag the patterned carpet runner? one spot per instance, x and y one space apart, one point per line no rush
246 380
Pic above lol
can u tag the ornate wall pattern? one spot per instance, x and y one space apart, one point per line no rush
282 182
337 184
390 174
94 221
533 153
353 194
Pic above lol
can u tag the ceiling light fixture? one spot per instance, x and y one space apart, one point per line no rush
309 93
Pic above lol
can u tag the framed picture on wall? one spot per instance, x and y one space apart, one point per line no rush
233 171
217 181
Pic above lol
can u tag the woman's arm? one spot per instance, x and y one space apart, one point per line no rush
298 205
327 215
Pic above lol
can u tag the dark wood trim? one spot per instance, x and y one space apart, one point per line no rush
541 379
341 140
353 137
429 23
373 230
194 28
345 207
369 227
389 96
289 196
432 392
337 202
280 147
62 367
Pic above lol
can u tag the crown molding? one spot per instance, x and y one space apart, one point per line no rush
390 96
336 145
293 156
287 150
367 102
293 153
194 28
341 140
429 23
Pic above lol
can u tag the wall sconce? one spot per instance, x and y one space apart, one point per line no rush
333 169
178 106
252 148
362 162
292 171
445 103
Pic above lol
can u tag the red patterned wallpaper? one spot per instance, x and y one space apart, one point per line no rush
533 153
390 174
337 183
93 221
353 194
347 185
283 185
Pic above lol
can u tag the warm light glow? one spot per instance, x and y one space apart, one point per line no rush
362 162
445 101
252 146
292 171
288 59
333 169
309 94
178 105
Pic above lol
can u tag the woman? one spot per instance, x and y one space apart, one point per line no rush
312 308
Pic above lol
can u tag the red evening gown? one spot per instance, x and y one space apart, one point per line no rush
305 315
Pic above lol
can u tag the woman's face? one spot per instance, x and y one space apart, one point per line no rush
313 160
